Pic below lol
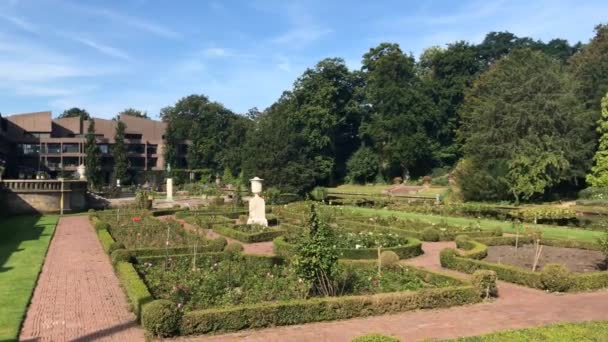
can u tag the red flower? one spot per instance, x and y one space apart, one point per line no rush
136 219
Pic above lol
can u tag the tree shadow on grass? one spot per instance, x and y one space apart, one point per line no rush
13 232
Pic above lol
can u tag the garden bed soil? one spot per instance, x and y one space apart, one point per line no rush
576 260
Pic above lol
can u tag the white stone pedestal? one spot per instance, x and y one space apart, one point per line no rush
257 211
170 189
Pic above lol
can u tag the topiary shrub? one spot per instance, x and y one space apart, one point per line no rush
121 255
389 259
115 246
234 247
218 244
102 225
375 338
319 193
556 278
497 231
430 234
91 211
462 241
161 318
485 283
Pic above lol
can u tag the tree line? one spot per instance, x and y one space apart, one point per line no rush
514 118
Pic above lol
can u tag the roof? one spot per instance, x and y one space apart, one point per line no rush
32 122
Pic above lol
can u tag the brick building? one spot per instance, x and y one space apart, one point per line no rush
33 142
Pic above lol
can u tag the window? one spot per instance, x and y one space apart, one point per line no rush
28 148
104 148
152 149
53 148
71 148
132 136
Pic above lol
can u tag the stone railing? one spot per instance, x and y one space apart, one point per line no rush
43 185
21 196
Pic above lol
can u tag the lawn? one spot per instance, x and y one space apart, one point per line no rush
586 331
23 244
548 231
375 189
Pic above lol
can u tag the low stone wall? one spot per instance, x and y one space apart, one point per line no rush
42 196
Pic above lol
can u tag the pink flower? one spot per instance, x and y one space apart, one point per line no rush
136 219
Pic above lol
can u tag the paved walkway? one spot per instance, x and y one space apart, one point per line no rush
517 307
78 297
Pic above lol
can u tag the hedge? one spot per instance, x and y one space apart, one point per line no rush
451 259
106 239
267 260
321 309
510 240
134 287
472 249
266 235
412 249
216 245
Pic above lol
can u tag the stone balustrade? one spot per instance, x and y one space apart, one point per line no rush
20 196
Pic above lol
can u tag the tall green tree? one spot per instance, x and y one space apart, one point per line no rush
119 153
522 128
590 68
399 111
75 112
134 112
599 173
92 161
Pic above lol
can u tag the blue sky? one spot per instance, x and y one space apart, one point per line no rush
108 55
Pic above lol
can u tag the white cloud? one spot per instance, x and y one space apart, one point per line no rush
216 52
104 49
20 22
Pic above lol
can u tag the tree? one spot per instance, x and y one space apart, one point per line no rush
599 172
134 112
399 111
119 153
75 112
590 69
522 129
92 157
363 165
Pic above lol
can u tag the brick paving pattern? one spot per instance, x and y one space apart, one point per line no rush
78 297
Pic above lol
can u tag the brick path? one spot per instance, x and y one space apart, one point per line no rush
78 297
517 307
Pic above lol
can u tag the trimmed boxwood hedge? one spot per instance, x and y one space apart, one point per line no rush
321 309
136 290
267 235
412 249
106 239
216 245
452 259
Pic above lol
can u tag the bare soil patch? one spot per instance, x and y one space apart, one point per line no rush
576 260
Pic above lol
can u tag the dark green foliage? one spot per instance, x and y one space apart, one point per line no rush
518 149
389 259
593 193
272 195
119 153
99 225
375 338
556 278
430 234
234 248
363 165
161 318
92 159
134 112
121 255
75 112
485 283
268 234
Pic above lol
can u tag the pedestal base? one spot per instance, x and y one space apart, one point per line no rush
257 211
260 221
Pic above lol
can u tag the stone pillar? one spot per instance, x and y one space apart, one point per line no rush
170 189
257 205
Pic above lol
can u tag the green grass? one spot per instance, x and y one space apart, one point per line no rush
553 232
23 244
375 189
586 331
432 191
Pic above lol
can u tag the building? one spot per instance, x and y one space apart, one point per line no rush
34 142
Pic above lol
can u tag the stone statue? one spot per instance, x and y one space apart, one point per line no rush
257 206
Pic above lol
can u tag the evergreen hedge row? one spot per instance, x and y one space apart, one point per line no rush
267 235
412 249
321 309
136 290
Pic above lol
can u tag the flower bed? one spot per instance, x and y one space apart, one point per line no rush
249 233
568 281
227 293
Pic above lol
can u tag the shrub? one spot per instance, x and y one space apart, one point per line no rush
397 180
388 259
135 289
556 278
142 200
115 246
426 180
462 241
161 318
362 166
375 338
234 247
106 239
430 234
603 243
319 193
498 231
272 195
594 193
102 225
121 255
485 283
176 206
91 211
217 245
